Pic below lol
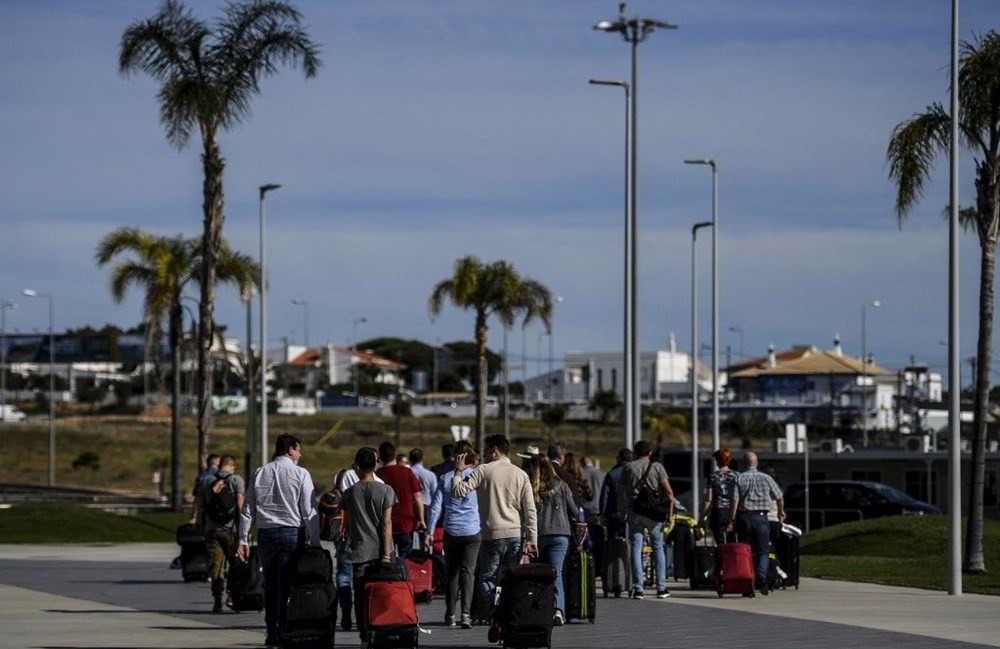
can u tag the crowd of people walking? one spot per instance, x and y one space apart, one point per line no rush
482 515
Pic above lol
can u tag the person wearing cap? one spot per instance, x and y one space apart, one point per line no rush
506 510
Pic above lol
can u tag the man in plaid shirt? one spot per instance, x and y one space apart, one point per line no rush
754 493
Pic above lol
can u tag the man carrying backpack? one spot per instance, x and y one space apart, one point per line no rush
221 502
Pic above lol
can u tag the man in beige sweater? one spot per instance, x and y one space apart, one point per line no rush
506 511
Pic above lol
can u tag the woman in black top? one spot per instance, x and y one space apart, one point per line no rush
720 495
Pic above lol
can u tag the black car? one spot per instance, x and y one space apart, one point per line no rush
840 501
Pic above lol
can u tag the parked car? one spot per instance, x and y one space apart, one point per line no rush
840 501
11 413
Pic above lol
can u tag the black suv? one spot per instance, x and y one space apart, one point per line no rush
840 501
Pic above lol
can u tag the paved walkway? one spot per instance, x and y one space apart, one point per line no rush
104 596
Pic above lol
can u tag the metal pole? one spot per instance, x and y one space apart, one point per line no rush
263 328
864 380
354 356
506 388
716 438
52 392
694 367
4 305
632 380
552 388
251 414
954 369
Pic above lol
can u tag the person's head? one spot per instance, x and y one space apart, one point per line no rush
495 446
227 463
542 476
387 452
448 452
402 459
557 452
465 448
365 461
750 460
586 462
288 445
642 449
625 455
571 465
212 460
416 456
723 457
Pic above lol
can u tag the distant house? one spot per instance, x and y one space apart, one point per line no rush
308 369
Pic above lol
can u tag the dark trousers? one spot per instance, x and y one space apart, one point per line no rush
756 530
404 546
460 556
277 546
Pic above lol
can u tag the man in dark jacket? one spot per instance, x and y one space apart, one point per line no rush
610 513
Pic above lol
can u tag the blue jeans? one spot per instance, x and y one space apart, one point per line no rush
552 549
755 529
404 546
277 547
638 523
344 579
496 556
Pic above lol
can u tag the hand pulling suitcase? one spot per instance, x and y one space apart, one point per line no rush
527 606
311 609
702 572
420 570
617 574
390 615
580 585
245 583
734 569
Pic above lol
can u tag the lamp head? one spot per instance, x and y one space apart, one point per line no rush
268 187
876 303
29 292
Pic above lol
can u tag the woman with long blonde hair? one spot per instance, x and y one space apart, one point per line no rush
556 510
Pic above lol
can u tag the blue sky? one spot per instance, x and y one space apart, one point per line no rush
440 129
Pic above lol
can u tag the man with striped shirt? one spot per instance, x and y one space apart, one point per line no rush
754 492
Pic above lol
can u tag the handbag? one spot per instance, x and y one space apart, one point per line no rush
651 503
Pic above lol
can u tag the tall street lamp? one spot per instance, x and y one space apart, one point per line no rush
28 292
4 305
716 442
633 31
694 364
354 348
305 318
864 370
551 389
954 369
264 189
251 432
629 312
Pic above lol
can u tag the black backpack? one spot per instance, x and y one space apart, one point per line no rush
221 503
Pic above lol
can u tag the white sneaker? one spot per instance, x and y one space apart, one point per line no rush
559 618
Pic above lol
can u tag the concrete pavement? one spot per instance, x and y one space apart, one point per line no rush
88 596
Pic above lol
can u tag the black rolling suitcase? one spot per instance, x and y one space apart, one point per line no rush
527 606
194 552
580 584
786 551
311 609
682 539
702 565
245 583
616 578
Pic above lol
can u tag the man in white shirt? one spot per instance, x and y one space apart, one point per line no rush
279 501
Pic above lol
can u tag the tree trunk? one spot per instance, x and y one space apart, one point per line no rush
481 374
176 325
987 217
212 207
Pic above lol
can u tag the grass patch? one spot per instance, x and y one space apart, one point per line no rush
75 524
897 551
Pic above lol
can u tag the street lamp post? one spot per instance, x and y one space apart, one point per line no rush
354 355
264 189
864 370
4 305
52 385
305 318
694 365
627 392
251 412
633 31
716 442
954 369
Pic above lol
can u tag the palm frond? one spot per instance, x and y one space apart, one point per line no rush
979 90
239 269
911 152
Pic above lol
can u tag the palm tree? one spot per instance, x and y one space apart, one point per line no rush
490 289
163 267
208 73
914 145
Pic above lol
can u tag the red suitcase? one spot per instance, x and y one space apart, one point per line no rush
420 568
734 569
392 615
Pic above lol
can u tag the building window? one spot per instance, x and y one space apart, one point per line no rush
600 379
868 475
614 378
916 485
